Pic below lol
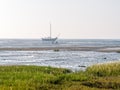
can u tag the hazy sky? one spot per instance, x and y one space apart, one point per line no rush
69 18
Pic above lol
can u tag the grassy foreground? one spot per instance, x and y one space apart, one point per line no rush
97 77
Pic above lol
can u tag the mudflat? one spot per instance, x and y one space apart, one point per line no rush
67 48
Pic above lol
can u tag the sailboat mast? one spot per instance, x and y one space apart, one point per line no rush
50 31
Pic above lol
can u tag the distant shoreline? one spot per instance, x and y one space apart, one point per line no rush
65 48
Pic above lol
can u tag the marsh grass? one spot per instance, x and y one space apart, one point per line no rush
97 77
109 69
28 76
104 76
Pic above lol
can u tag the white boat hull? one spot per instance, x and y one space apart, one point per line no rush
52 40
49 39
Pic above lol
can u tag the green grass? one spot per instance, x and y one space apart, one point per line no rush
109 69
97 77
104 76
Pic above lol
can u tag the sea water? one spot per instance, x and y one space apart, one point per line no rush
61 42
74 60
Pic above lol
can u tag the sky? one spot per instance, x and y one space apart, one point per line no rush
70 19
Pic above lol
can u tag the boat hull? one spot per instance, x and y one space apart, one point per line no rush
52 40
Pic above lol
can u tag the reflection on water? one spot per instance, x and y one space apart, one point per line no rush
75 60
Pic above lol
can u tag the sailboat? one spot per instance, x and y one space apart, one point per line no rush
50 39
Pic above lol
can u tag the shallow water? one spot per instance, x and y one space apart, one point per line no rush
74 60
